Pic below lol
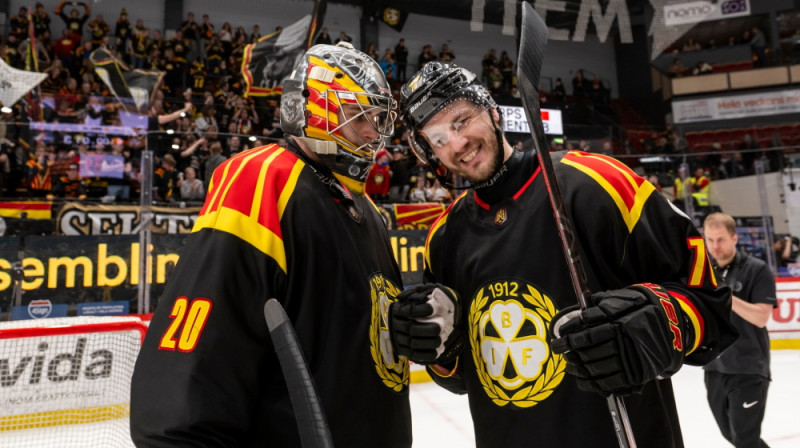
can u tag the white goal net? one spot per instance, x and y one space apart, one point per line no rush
65 382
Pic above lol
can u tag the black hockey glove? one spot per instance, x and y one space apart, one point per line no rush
425 324
629 337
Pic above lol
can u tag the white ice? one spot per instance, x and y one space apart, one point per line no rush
442 419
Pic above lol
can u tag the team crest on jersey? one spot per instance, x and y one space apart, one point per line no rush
508 321
392 369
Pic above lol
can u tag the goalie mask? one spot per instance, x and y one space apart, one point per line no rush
338 102
431 90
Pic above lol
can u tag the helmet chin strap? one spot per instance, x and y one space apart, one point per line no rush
321 147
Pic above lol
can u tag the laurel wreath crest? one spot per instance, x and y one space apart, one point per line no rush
392 379
552 373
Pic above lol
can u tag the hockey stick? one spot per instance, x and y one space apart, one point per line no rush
533 39
311 423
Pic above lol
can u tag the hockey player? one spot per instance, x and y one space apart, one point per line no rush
497 281
291 223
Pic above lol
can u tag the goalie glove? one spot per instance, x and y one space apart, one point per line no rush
629 337
425 324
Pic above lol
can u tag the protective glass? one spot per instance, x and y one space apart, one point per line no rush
437 134
363 111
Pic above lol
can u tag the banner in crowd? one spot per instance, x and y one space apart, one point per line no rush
737 106
136 85
31 209
271 59
102 165
414 216
515 120
15 83
76 218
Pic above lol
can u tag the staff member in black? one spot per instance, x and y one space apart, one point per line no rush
738 380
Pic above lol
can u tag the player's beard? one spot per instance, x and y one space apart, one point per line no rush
495 162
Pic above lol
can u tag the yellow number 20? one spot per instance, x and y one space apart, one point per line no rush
190 319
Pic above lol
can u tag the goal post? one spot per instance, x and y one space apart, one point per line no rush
66 381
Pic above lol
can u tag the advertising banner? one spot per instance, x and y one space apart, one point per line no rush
736 106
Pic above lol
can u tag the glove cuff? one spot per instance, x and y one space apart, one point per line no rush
683 334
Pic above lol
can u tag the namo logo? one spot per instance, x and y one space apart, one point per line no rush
39 309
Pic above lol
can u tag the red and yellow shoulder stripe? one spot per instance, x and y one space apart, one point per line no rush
438 225
628 190
247 196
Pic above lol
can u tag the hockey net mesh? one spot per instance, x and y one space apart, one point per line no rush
65 382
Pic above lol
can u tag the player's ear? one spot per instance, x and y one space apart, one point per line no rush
495 114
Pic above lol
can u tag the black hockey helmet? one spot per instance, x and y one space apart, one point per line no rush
433 88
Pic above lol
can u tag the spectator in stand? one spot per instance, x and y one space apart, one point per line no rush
19 24
559 94
323 37
372 51
786 248
234 145
255 35
343 37
579 86
191 33
226 38
123 34
420 191
98 28
206 33
38 172
489 60
438 193
507 69
702 68
41 22
165 180
64 50
598 94
42 55
69 186
759 45
677 69
446 54
691 45
191 187
401 59
74 21
401 175
215 159
495 81
378 179
388 66
427 55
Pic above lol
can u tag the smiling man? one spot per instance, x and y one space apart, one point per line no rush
497 284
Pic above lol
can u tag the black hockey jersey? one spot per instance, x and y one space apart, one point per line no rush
505 259
207 374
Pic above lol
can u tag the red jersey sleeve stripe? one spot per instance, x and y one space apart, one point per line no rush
694 317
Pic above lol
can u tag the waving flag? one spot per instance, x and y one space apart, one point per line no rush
126 84
269 61
15 83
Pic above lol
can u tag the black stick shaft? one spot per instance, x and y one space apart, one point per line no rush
533 38
311 422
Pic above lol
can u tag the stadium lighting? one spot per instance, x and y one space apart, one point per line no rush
252 138
176 146
170 131
6 110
